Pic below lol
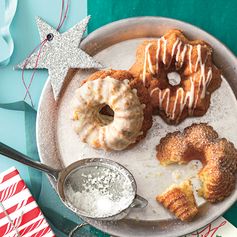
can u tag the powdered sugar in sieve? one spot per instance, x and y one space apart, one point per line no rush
99 191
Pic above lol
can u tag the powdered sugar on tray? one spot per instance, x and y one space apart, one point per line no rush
99 192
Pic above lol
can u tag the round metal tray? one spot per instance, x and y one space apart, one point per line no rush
98 44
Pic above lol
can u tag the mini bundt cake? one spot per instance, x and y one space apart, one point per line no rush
111 110
218 156
179 75
179 200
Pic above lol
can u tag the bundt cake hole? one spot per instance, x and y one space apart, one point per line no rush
174 78
106 112
170 78
194 154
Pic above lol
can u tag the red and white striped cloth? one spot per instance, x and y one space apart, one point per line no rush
19 213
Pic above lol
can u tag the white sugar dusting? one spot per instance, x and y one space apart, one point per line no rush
152 179
99 192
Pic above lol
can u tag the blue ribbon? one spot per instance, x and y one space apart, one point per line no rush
8 8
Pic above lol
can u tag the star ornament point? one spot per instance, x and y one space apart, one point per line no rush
59 53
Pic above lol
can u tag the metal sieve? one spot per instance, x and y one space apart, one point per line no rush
94 188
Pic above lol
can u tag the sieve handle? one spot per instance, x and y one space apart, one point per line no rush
139 202
17 156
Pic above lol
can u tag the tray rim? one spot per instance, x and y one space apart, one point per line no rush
83 44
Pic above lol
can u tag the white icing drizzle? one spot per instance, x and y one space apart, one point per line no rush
157 55
153 91
161 98
178 51
183 55
191 94
144 65
176 100
191 97
199 57
198 92
147 59
173 50
190 57
149 62
164 48
174 47
206 82
209 76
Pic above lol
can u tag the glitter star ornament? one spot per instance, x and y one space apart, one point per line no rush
59 53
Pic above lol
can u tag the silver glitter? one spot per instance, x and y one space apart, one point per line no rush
61 53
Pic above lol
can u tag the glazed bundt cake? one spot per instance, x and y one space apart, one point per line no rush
218 156
179 74
111 110
180 201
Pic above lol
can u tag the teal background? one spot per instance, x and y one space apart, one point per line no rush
25 35
217 17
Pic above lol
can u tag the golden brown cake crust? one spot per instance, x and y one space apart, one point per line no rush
218 155
179 200
142 93
192 60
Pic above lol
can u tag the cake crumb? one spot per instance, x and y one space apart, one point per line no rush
176 175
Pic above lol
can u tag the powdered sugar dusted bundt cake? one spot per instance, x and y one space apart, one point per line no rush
218 156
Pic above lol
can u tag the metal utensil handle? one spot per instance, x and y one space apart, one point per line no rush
73 231
17 156
139 202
